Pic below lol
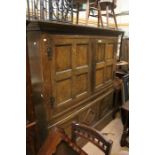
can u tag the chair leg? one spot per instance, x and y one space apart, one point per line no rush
98 19
100 14
77 16
107 15
114 18
87 11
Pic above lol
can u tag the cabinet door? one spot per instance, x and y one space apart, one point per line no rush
110 58
81 68
70 78
105 51
62 80
100 63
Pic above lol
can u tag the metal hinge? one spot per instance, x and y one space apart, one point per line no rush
52 101
49 53
48 43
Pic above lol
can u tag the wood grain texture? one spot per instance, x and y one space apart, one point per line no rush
76 81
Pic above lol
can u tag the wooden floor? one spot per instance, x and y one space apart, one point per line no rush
112 131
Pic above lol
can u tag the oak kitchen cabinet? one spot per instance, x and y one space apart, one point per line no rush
72 71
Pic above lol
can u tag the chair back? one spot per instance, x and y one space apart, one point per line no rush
92 135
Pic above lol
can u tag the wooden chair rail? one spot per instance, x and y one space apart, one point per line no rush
92 135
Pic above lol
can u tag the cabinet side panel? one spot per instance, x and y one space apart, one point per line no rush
33 42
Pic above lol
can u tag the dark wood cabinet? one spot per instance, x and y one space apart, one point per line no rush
72 71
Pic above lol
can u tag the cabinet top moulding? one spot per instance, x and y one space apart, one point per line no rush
62 28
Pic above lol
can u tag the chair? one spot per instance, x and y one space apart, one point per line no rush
99 6
92 135
77 7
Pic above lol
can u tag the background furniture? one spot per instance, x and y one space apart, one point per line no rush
117 95
121 90
125 88
125 111
77 7
125 121
99 6
124 55
60 10
50 10
91 135
72 71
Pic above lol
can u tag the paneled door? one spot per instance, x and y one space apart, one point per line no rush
104 60
110 54
82 68
100 65
70 71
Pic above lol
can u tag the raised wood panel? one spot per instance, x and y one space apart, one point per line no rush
100 46
100 73
100 53
82 68
63 57
109 51
81 54
63 91
81 84
109 72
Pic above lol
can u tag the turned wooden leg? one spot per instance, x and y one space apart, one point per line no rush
87 11
100 14
98 21
114 18
77 16
107 15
